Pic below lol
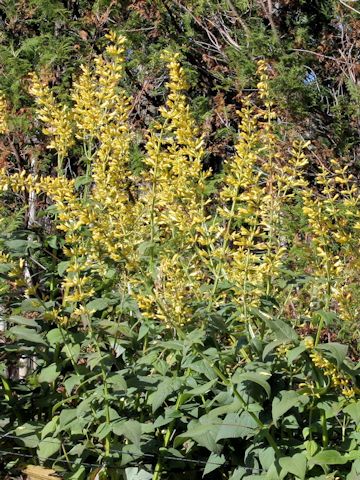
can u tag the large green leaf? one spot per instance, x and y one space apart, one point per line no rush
255 377
135 473
203 433
49 374
48 447
27 335
286 401
202 389
28 434
238 474
163 390
355 471
117 381
98 304
295 465
214 462
28 322
327 457
353 409
337 351
131 429
67 416
237 426
282 330
54 337
50 427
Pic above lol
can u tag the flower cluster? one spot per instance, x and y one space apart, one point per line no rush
332 211
57 118
338 379
174 159
3 115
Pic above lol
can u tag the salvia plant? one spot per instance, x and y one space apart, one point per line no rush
176 323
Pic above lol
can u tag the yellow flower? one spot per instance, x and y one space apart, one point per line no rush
3 115
57 117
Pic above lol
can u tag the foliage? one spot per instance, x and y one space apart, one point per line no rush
177 320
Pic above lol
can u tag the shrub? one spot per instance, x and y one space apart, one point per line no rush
175 318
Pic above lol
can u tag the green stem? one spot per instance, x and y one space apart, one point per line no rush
168 434
69 352
325 435
60 160
106 391
310 422
327 304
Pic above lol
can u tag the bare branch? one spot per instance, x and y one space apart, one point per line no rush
349 6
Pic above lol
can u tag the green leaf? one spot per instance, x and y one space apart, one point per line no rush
28 434
18 319
5 267
135 473
26 335
98 304
32 305
282 330
164 389
238 474
328 317
67 416
286 401
117 381
203 367
355 471
62 267
202 389
131 429
214 461
144 329
52 241
267 459
132 453
353 409
270 347
337 351
54 337
295 465
256 378
204 434
237 426
311 447
50 427
82 180
18 246
102 431
327 457
49 374
295 353
48 447
78 473
72 351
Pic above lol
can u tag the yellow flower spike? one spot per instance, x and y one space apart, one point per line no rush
57 117
174 158
338 379
4 127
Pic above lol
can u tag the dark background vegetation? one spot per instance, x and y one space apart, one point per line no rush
312 48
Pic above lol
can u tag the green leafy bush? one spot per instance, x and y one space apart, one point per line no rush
176 321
